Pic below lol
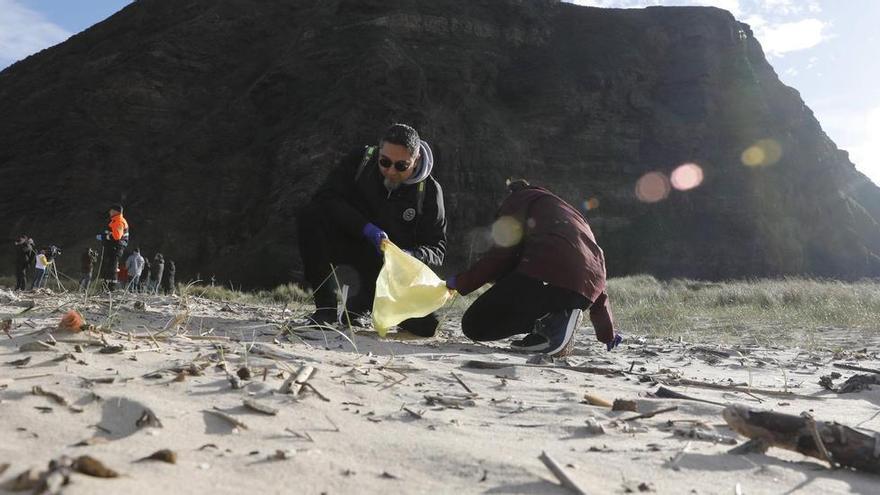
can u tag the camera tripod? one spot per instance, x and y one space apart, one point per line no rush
52 271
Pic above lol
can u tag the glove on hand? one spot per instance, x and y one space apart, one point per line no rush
374 235
614 342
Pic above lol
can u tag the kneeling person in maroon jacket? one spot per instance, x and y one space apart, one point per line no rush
547 269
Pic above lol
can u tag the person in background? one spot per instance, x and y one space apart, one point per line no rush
158 273
144 284
135 266
115 239
24 256
546 268
42 263
168 283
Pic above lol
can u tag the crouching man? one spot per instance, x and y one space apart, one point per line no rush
547 270
375 193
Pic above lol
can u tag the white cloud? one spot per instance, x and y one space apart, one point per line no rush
790 7
24 32
779 39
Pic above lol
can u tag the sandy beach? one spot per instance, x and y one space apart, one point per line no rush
394 415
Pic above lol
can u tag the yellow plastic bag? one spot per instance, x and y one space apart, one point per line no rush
406 288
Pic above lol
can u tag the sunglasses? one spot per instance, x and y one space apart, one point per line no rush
400 166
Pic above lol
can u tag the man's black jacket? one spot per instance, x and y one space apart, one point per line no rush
352 200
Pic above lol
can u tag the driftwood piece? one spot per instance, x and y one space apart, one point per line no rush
37 346
595 400
665 393
489 365
625 405
653 413
560 474
845 446
461 382
164 455
450 401
229 419
58 399
294 383
260 407
745 390
851 367
857 383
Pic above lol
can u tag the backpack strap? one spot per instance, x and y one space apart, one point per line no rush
369 151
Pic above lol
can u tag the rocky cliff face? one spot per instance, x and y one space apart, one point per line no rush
213 121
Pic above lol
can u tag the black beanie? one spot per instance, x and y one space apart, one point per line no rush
117 207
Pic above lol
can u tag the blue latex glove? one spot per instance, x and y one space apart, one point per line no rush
614 342
374 235
99 237
450 282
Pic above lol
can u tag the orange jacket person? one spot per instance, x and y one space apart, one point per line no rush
115 239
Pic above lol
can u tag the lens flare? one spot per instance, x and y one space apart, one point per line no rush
506 232
763 153
591 204
652 187
687 176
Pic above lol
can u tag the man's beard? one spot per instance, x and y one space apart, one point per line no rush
390 186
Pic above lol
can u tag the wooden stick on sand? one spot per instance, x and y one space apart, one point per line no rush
840 444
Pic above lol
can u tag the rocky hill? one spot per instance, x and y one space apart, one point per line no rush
214 120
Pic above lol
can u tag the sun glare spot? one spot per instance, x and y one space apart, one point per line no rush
652 187
506 232
591 204
687 176
761 154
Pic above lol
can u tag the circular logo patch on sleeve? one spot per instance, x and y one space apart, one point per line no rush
409 214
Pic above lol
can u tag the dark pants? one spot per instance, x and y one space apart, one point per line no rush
110 263
39 278
85 280
513 305
21 276
357 263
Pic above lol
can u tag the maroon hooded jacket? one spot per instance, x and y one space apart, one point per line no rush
539 235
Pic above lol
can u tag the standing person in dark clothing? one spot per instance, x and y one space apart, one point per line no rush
547 269
376 193
168 283
158 273
115 238
87 265
144 283
24 256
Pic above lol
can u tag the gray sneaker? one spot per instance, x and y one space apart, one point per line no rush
559 328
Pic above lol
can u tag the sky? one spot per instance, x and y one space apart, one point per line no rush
826 49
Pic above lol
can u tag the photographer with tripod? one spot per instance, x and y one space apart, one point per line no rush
44 260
